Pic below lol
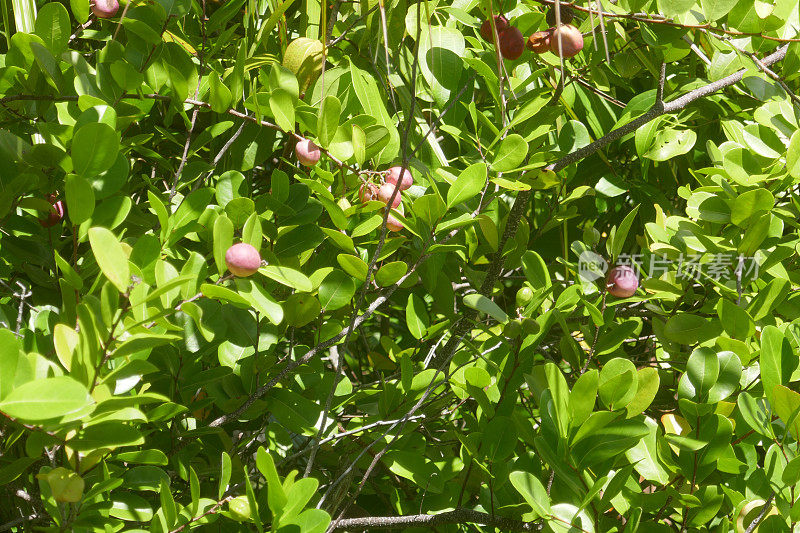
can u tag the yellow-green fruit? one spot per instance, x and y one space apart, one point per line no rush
512 329
530 326
524 296
66 485
240 508
304 57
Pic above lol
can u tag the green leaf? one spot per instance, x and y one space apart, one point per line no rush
417 318
336 290
53 26
621 233
225 475
468 184
110 257
499 438
261 300
702 371
80 198
533 491
647 388
221 96
282 105
583 397
94 149
390 273
9 358
353 265
300 309
669 143
275 494
44 399
793 156
750 203
288 276
777 361
483 304
786 404
512 152
618 383
687 328
716 9
223 239
730 372
328 120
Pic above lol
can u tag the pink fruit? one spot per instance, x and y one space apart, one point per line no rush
367 192
307 152
394 176
511 43
500 22
242 259
622 281
571 40
55 216
392 224
385 194
105 9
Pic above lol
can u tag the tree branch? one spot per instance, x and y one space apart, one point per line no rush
669 107
457 516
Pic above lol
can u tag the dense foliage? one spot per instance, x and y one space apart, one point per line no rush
460 362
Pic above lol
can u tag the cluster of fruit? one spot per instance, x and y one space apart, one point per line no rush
512 43
383 193
309 153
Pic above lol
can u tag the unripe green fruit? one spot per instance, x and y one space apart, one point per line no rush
66 486
240 508
524 296
242 260
530 326
512 329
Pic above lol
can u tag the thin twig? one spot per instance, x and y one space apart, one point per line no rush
457 516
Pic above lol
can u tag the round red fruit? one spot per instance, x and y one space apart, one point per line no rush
385 194
394 176
622 281
571 41
307 152
105 9
511 43
393 224
500 22
242 259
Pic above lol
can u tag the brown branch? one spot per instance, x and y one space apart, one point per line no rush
457 516
669 107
